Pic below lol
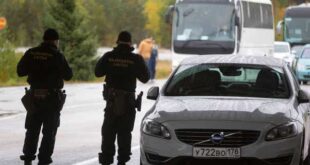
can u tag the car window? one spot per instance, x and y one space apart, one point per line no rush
305 53
228 80
281 48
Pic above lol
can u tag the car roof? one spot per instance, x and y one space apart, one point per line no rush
234 59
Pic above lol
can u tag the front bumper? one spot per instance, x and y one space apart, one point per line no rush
174 152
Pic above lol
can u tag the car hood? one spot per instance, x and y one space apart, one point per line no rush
274 111
305 61
281 55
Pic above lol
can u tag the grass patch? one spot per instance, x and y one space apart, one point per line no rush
163 69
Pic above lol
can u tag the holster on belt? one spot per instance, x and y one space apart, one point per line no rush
28 101
138 102
61 96
119 101
51 97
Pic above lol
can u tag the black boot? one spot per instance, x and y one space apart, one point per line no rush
45 162
102 160
27 162
27 159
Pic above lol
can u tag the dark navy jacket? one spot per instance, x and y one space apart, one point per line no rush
45 67
121 68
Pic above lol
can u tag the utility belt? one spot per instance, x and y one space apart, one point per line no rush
54 98
121 101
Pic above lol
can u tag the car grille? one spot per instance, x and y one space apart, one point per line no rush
233 138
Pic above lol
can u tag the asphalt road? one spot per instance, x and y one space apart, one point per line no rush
78 139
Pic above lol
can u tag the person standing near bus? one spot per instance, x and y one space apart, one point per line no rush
145 49
46 68
153 61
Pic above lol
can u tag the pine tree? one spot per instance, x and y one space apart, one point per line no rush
78 43
124 15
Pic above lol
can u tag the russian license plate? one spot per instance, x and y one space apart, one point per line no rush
208 152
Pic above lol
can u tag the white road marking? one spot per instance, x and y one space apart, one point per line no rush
95 159
12 116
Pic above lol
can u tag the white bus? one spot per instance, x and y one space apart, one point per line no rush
296 25
202 27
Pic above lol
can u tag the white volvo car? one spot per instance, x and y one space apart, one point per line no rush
224 110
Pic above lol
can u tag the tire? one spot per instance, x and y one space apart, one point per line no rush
307 160
304 82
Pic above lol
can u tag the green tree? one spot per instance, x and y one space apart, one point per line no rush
124 15
77 41
97 21
155 11
24 20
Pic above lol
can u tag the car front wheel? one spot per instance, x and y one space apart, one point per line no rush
307 160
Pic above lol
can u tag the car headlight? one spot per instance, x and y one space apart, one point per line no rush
301 66
282 132
155 129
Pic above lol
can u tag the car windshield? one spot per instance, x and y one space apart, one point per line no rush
228 80
306 53
204 28
298 29
279 48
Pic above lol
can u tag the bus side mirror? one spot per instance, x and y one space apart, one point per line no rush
169 14
279 27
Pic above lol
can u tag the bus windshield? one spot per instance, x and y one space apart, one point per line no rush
204 28
297 29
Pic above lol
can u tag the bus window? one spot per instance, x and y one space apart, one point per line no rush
257 15
267 13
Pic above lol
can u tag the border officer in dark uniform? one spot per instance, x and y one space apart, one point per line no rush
121 68
46 69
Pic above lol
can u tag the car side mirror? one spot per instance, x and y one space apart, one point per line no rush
303 97
153 93
279 27
169 14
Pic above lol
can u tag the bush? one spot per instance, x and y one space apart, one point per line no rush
8 63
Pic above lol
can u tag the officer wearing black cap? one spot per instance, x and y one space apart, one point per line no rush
46 69
121 68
